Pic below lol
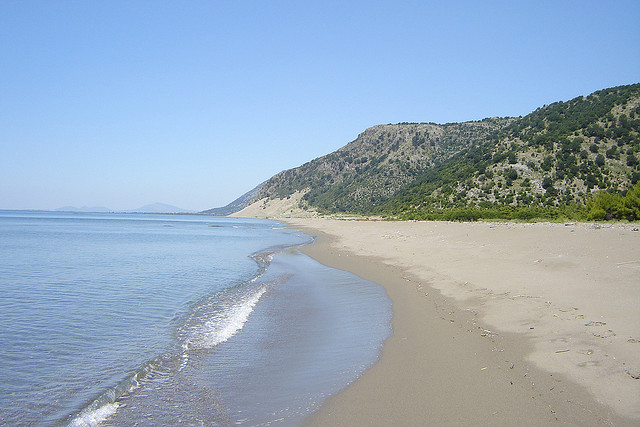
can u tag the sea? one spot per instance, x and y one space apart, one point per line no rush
144 319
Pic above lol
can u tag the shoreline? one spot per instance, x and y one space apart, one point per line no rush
452 359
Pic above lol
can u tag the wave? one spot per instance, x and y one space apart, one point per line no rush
93 417
219 320
209 323
107 404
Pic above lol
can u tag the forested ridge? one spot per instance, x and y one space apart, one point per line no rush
561 160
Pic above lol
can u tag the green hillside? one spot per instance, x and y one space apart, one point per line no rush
548 163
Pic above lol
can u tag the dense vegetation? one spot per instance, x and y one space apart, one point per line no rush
576 159
607 206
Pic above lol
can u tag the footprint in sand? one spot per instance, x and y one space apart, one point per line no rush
608 334
590 363
635 375
595 324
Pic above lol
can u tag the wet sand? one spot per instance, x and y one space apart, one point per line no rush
494 324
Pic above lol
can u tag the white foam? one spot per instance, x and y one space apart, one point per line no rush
92 418
225 325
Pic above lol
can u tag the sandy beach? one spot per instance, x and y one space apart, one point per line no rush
494 323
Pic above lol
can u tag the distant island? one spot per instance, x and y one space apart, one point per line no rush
87 209
151 208
159 208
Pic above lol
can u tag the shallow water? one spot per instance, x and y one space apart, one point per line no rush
149 319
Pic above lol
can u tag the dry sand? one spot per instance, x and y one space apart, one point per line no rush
494 324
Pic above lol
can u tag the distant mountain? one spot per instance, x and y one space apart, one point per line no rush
151 208
558 156
237 205
98 209
159 208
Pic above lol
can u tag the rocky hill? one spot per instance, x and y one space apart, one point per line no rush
557 156
377 164
235 206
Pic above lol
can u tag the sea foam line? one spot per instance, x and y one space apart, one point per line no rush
92 418
217 327
210 324
107 404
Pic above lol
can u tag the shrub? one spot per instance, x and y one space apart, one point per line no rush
462 214
604 206
631 204
511 174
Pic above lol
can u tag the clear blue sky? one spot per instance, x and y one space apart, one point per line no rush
192 103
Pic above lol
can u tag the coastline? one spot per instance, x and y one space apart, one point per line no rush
483 332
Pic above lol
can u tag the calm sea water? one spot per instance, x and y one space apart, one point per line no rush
116 319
